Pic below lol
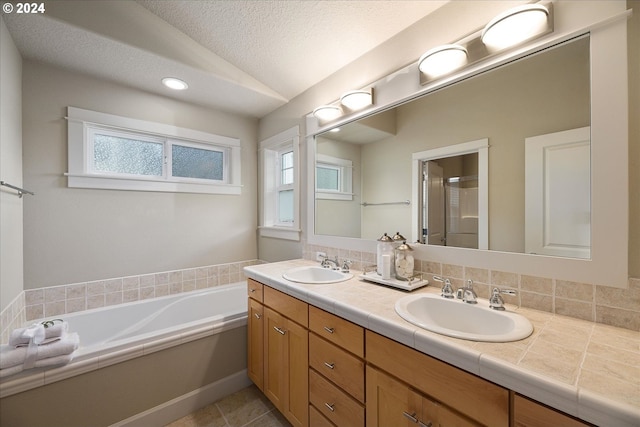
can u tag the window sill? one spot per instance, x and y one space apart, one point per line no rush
279 233
128 184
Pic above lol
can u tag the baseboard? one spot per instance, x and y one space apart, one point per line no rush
187 403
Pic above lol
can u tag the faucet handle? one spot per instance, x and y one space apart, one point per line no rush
345 265
496 302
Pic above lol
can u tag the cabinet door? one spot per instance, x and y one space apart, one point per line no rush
275 352
297 352
255 343
389 402
436 415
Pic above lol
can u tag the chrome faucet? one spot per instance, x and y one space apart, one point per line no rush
326 263
467 294
447 289
496 302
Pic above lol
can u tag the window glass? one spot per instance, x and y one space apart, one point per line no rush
189 162
127 156
286 162
327 178
285 206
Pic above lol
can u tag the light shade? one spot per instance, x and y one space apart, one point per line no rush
174 83
327 112
442 60
515 26
357 99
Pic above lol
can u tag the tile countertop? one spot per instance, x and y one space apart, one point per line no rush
588 370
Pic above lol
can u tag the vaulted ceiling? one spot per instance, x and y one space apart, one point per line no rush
245 57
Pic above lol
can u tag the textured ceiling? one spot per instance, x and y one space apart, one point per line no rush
247 57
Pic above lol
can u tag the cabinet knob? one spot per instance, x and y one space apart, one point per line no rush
328 329
329 365
279 330
330 406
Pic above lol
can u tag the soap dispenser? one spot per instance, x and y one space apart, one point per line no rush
385 257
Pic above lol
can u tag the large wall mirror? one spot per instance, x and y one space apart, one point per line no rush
544 93
572 84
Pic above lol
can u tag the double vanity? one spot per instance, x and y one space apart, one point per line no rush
329 349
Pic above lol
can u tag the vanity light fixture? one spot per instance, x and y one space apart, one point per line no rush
357 99
174 83
442 60
327 112
515 26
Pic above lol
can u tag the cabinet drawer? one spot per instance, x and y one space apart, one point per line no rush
254 290
337 406
316 419
344 369
528 413
337 330
286 305
466 393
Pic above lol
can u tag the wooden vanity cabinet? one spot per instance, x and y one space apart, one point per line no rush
255 333
277 350
336 370
455 394
529 413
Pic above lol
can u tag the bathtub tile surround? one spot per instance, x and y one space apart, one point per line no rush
245 408
600 304
57 300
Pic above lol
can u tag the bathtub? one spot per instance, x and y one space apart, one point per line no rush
197 338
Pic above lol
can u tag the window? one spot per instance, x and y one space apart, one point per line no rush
280 187
334 178
114 152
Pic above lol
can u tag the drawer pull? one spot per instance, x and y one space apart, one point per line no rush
421 424
252 290
412 417
329 365
330 407
280 331
257 315
328 329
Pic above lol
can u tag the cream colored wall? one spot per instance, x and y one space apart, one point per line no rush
11 207
76 235
634 138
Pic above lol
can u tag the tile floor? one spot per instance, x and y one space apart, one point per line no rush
245 408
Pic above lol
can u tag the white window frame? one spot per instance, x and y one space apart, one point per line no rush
270 151
82 124
345 178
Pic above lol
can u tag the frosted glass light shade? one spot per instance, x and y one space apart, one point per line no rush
515 26
357 99
442 60
327 112
174 83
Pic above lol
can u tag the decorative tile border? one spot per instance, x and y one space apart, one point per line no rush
599 304
57 300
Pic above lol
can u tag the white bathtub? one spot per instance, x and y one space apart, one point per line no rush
118 333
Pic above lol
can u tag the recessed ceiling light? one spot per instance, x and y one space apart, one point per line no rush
174 83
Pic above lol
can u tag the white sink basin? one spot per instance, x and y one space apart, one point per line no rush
316 275
454 318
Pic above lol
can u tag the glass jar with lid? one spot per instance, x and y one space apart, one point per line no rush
404 262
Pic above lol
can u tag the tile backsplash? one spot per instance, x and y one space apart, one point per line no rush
57 300
600 304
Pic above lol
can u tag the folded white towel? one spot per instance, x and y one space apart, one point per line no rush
12 356
52 329
42 363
